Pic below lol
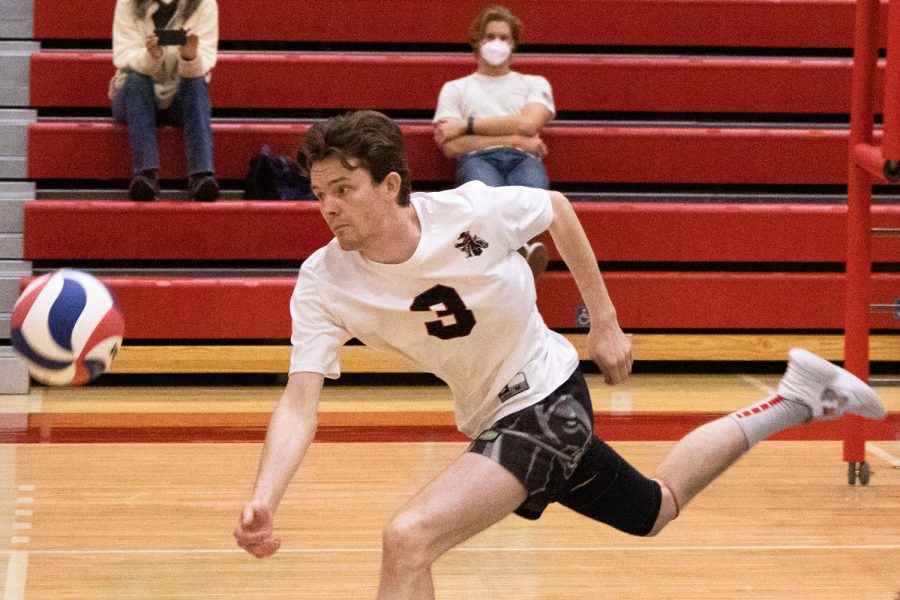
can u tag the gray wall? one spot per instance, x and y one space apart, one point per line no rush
18 19
16 46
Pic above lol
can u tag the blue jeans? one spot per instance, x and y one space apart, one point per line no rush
135 105
502 166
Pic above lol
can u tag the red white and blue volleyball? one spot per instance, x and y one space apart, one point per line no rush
67 327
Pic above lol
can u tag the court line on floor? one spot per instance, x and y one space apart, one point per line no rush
478 549
884 454
758 384
16 573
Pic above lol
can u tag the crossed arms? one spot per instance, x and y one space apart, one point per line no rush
521 131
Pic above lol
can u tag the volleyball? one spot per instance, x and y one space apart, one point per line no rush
67 328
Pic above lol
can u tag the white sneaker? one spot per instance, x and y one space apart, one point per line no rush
828 390
537 256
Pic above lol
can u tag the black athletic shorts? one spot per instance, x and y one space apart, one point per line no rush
551 448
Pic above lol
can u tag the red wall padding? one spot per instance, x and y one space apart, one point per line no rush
684 300
762 23
620 231
413 81
56 229
99 150
257 308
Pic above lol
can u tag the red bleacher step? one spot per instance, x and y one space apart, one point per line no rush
257 308
748 23
580 83
621 231
626 154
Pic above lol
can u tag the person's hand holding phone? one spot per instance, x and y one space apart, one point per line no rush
189 49
153 47
185 38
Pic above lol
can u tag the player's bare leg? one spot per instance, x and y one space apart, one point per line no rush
469 496
695 461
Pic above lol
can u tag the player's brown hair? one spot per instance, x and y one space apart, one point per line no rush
362 139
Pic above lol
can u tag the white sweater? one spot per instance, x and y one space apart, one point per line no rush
130 48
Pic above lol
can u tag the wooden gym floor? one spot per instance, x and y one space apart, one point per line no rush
131 492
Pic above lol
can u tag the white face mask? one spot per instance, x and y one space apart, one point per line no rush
495 52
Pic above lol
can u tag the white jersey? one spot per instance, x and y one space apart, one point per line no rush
463 307
484 97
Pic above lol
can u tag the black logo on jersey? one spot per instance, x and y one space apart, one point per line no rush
472 245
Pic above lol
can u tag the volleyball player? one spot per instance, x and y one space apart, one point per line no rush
436 277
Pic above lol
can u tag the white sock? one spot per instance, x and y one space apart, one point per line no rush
766 418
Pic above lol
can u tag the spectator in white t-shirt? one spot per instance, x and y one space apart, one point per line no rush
490 121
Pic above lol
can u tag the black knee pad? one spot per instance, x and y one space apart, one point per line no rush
606 488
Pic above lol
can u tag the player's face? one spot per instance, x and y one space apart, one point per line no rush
353 205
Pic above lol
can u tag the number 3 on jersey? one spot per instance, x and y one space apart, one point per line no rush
453 306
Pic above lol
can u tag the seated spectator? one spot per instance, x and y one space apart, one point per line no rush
165 80
490 121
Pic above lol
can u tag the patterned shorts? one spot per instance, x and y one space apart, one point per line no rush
542 444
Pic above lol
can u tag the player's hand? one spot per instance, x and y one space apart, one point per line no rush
448 129
254 530
189 50
610 348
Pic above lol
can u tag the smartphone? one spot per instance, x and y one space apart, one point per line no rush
171 37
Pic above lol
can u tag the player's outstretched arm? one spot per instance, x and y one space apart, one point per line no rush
610 348
291 431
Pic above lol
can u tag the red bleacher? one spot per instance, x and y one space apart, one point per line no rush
713 267
178 308
255 307
620 231
578 153
580 82
729 23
